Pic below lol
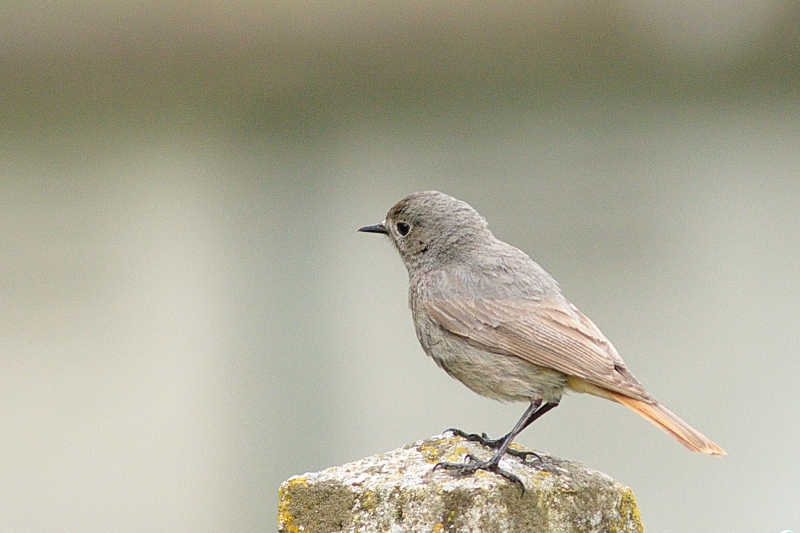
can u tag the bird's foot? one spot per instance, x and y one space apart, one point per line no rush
473 465
484 440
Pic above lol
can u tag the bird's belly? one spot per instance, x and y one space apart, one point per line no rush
502 377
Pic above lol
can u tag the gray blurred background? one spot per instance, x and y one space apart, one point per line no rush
188 316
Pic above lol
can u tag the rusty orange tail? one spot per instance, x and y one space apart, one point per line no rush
671 423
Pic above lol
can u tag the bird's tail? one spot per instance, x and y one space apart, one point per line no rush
669 422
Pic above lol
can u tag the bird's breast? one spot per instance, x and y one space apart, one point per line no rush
498 376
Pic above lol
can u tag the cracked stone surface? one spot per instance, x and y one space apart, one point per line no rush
399 492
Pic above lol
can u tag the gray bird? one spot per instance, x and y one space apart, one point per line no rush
492 318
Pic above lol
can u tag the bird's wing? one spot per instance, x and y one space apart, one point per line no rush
541 331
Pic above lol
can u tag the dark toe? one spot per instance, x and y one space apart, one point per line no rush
469 468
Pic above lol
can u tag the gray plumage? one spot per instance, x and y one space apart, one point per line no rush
495 320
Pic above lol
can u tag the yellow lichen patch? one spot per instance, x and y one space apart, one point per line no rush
367 501
434 452
431 452
629 511
285 516
438 527
456 453
537 476
483 473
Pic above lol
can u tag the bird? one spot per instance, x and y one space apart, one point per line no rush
494 319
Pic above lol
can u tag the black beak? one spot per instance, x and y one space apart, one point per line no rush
375 228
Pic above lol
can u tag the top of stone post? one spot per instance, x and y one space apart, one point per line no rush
399 491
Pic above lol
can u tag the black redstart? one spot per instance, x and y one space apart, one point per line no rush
495 320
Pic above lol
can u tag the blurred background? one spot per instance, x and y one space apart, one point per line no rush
188 315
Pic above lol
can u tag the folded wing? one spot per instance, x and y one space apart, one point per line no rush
558 336
543 332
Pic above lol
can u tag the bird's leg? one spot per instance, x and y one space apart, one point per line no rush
484 439
494 444
534 411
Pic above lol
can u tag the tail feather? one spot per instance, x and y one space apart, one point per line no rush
669 422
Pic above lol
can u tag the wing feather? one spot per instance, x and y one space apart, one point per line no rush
541 331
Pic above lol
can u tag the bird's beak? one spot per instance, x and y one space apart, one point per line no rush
375 228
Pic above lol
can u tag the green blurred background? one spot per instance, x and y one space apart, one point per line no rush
188 316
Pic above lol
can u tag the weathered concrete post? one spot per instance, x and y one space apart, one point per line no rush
399 492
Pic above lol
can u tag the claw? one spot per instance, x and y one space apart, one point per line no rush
474 437
523 454
484 440
534 411
466 469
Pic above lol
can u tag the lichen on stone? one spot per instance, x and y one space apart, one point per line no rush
400 492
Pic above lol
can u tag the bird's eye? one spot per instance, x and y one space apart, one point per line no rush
403 228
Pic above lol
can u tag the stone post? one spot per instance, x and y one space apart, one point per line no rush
398 492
